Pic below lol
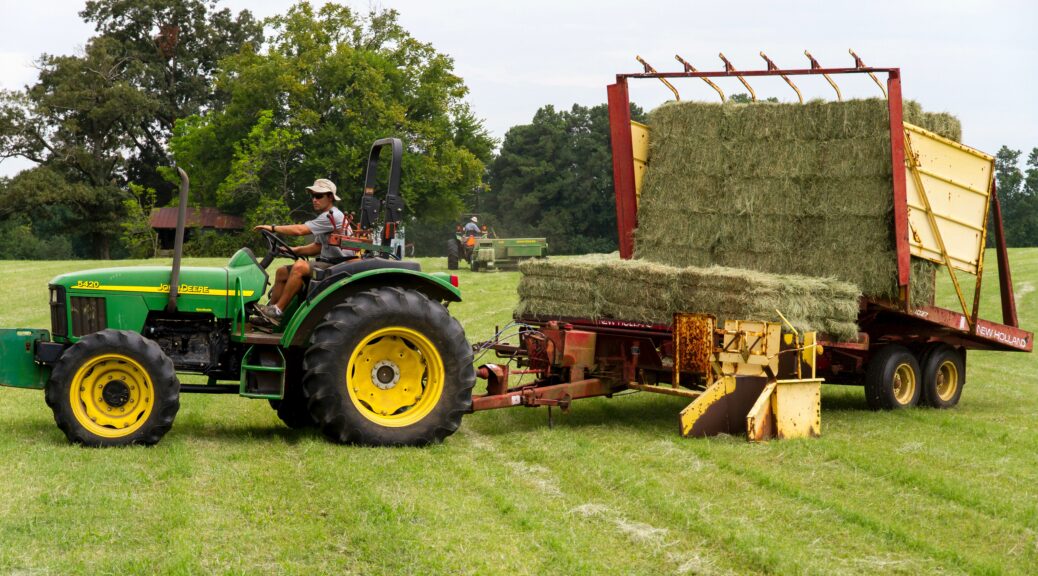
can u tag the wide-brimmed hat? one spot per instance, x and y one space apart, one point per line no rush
474 219
323 186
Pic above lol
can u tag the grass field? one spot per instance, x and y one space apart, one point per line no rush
612 489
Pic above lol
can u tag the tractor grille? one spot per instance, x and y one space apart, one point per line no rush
58 312
88 315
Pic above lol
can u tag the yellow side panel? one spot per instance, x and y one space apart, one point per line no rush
640 146
798 408
957 183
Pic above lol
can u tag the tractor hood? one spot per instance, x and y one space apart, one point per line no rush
131 292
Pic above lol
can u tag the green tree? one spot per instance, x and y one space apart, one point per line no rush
1018 196
138 236
554 178
329 83
97 121
170 51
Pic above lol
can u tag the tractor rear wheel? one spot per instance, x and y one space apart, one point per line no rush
452 254
944 375
892 379
388 367
114 388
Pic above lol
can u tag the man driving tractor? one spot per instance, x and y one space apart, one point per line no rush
289 280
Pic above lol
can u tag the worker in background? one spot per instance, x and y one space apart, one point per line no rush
472 227
290 279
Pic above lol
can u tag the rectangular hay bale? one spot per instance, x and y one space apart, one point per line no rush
781 188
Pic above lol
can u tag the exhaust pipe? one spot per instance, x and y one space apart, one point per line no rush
178 248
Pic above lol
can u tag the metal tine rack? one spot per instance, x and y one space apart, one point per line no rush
772 69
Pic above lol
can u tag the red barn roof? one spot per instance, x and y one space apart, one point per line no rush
166 218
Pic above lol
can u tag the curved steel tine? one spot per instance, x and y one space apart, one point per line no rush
859 64
691 68
729 68
650 70
815 66
772 66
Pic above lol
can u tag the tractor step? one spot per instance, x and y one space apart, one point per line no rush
263 373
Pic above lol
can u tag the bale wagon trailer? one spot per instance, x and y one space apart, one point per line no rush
746 377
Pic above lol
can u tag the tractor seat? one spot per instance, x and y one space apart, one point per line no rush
324 278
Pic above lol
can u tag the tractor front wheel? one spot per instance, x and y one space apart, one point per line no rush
389 367
114 388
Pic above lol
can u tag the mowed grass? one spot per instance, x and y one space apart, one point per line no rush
611 489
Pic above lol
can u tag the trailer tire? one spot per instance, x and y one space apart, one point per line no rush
452 254
292 409
944 375
388 367
892 379
114 388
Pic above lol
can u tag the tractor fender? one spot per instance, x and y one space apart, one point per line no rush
436 286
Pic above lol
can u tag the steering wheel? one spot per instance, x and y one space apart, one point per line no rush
276 247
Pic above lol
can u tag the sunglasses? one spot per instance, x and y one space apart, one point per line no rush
319 196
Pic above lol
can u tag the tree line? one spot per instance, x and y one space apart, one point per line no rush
256 110
253 111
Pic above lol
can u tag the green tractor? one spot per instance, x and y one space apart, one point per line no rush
367 352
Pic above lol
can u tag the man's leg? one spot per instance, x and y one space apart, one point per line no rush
300 272
280 278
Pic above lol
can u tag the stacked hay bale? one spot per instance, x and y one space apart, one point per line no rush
750 208
785 188
604 286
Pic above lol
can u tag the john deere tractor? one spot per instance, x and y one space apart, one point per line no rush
368 352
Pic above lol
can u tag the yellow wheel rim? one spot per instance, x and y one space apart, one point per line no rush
904 384
947 380
395 376
112 395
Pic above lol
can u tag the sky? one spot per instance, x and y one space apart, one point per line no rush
977 60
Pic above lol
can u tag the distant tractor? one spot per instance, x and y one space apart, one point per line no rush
462 246
506 253
484 251
367 352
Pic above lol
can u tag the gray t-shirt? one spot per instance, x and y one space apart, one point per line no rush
322 228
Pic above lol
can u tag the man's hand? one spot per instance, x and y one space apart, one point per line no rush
267 227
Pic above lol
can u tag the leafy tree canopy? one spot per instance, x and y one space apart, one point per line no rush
554 178
329 83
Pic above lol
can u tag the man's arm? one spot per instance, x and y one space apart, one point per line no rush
286 229
309 250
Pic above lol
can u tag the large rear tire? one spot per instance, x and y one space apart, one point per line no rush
388 367
944 375
452 254
114 388
892 379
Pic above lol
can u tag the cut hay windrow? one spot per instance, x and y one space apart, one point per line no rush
605 287
781 188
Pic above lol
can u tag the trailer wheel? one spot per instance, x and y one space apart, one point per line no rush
892 379
944 375
292 409
114 388
452 254
389 367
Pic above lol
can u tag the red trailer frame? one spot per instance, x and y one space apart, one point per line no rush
879 320
635 355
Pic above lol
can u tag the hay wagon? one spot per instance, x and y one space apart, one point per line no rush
750 377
